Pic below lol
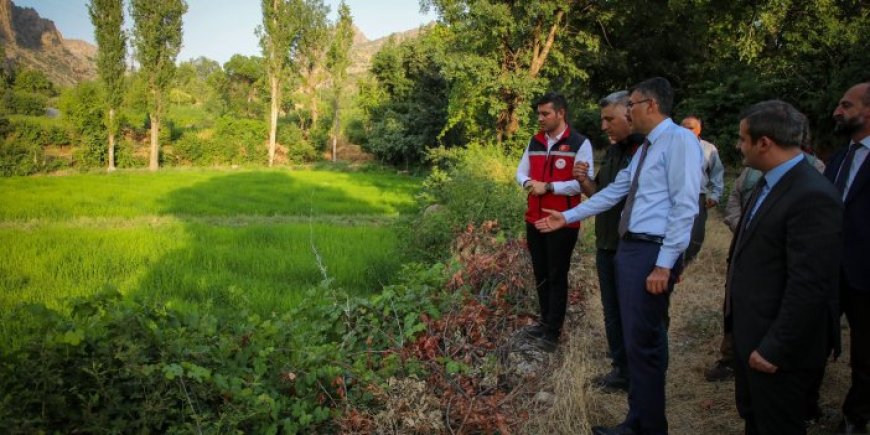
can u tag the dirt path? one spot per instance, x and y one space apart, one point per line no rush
694 405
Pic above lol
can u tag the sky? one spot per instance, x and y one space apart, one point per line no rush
217 29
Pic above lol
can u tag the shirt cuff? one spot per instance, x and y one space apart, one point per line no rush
667 258
572 215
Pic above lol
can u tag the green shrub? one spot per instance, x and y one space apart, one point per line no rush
24 103
299 150
240 140
20 158
115 365
467 186
125 155
39 131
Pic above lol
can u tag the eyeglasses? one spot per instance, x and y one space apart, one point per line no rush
634 103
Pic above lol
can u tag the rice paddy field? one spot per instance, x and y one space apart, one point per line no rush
252 239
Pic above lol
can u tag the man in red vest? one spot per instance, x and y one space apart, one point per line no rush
545 171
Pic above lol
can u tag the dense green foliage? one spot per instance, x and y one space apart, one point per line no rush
118 365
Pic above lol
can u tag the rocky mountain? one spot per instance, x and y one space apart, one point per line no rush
34 42
363 49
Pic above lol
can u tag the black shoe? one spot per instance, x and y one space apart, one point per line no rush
813 416
548 343
848 426
612 381
615 430
537 331
721 371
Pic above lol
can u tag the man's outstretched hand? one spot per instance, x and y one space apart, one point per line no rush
551 223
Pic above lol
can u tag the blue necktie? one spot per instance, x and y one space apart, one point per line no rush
845 167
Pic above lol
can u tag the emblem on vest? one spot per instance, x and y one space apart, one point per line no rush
564 147
561 163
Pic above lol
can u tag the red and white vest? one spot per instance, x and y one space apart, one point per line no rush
555 164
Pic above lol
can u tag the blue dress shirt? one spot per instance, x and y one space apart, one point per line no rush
771 178
666 201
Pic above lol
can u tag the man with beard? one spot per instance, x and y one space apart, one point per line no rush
849 170
545 171
617 126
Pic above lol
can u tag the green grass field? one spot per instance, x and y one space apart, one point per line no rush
215 239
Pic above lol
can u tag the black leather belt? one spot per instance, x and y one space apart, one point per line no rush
643 237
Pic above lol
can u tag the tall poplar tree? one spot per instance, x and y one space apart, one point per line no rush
107 17
337 61
287 29
157 39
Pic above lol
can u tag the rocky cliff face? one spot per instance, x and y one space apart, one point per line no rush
34 42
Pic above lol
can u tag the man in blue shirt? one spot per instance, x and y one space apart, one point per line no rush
661 187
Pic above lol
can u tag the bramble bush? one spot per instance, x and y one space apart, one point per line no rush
115 365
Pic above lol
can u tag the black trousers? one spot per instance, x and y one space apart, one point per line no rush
551 260
856 305
772 404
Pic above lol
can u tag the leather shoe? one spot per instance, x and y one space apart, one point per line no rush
615 430
721 371
612 381
849 427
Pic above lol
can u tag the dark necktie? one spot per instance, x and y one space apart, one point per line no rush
753 199
632 191
845 167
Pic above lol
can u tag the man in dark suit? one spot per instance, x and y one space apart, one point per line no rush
782 273
849 170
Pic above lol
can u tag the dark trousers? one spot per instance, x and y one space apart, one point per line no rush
644 325
604 262
770 404
698 228
551 259
856 305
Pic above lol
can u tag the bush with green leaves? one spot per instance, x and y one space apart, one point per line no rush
116 365
467 187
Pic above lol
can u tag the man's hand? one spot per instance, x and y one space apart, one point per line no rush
539 188
657 281
551 223
757 362
711 203
581 171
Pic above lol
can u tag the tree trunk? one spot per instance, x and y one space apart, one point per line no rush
273 117
112 131
155 143
335 126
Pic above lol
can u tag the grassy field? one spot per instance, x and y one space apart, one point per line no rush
216 239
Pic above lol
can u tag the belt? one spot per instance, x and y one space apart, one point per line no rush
643 237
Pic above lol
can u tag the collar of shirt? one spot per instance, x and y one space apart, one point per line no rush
553 140
774 175
865 142
659 130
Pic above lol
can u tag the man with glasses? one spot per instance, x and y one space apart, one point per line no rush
660 188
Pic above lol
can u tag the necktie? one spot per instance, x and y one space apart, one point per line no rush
753 200
632 191
845 167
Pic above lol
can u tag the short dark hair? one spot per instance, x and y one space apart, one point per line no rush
778 120
693 116
558 100
660 90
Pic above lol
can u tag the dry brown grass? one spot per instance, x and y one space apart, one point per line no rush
694 405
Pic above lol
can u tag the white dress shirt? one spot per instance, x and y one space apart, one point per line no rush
568 188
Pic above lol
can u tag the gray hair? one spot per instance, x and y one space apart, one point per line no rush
619 98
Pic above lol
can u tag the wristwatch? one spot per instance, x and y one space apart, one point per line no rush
549 187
